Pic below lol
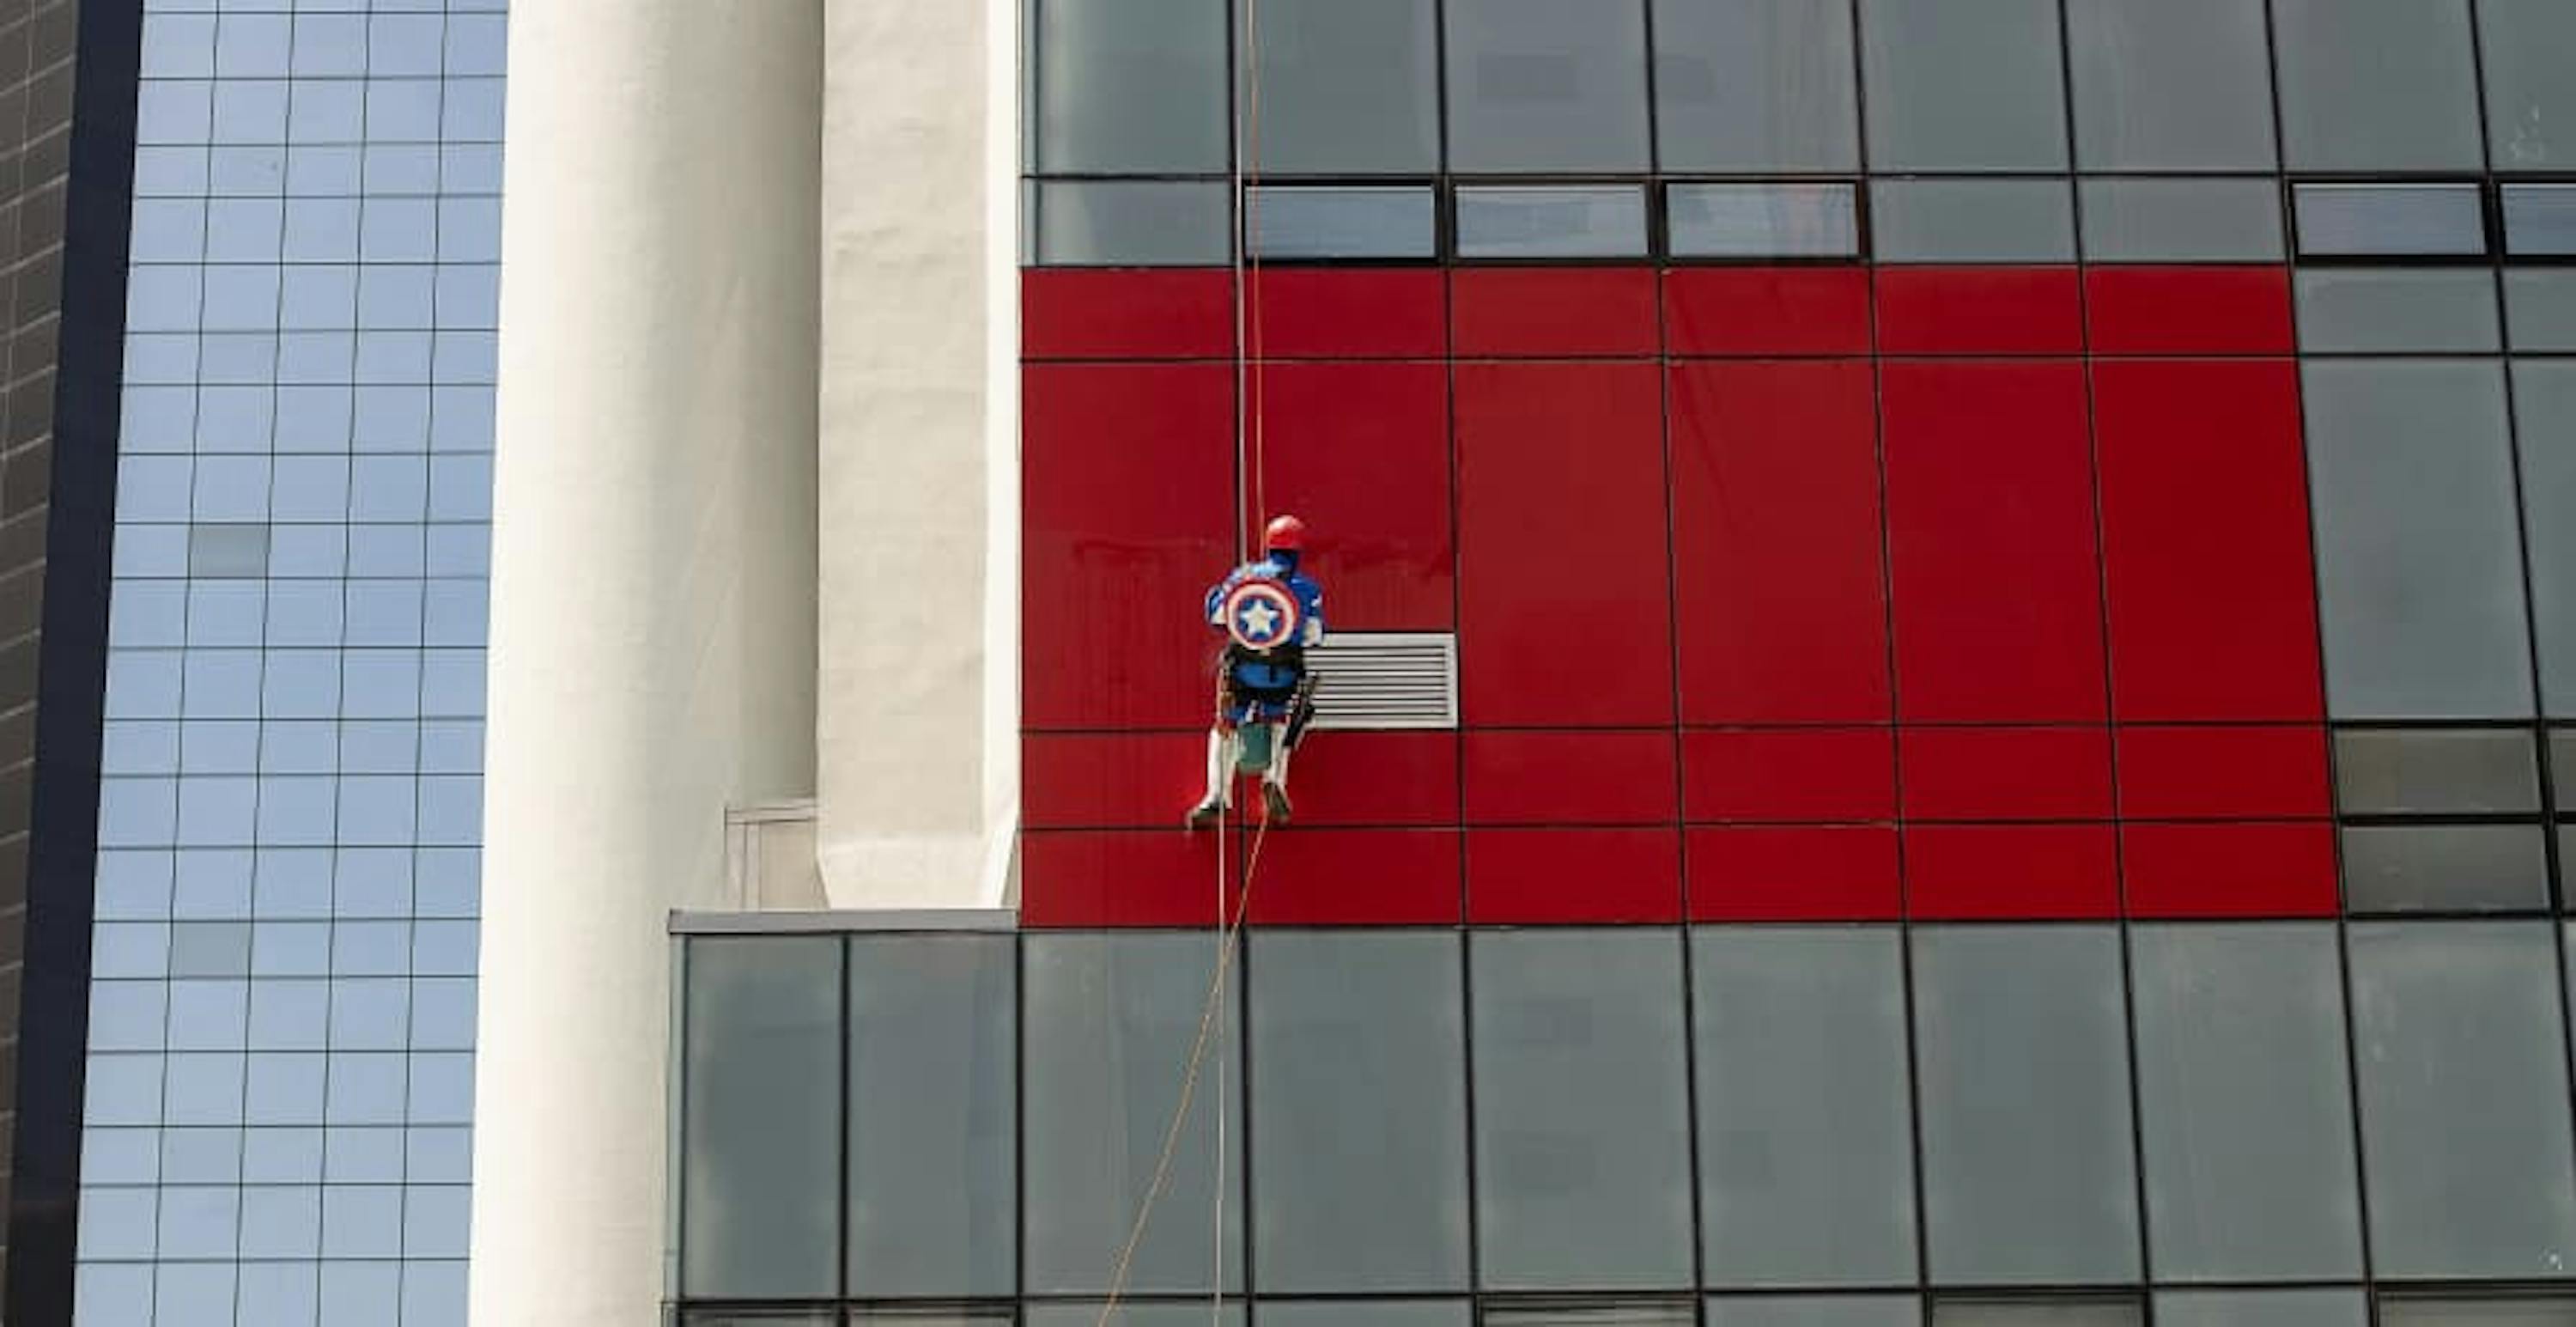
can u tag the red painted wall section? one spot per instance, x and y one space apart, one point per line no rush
1778 569
1996 578
1360 451
1564 583
1782 594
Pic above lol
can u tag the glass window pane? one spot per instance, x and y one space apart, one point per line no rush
2528 46
1806 1169
1970 85
1591 1315
1348 86
1971 221
1129 1314
2383 310
1542 85
2262 1308
2544 404
2036 1313
1755 85
2419 576
2181 221
1597 222
1814 1311
760 1217
2377 84
1359 1082
2482 1311
2245 1115
1580 1109
1109 1021
1139 222
1365 222
932 1053
1134 86
1763 220
2539 220
2445 868
2022 1185
2171 84
2410 771
2371 220
2463 1083
1363 1313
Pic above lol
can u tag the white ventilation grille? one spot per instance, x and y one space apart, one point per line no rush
1386 679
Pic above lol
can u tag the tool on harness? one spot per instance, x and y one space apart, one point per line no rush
1271 613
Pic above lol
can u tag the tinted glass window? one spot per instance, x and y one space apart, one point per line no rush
1131 86
2023 1088
1763 220
1966 85
2444 868
2244 1111
1347 86
932 1059
760 1104
2463 1077
1580 1109
2171 84
1806 1166
1109 1024
2419 577
1814 1311
1755 85
1133 222
2181 221
2432 220
1536 222
1543 85
1321 223
2396 310
2262 1308
1359 1054
2540 220
1972 221
2406 771
2377 84
2545 410
2528 47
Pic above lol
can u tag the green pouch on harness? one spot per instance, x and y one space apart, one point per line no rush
1252 752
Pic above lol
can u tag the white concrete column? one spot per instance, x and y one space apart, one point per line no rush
918 755
652 637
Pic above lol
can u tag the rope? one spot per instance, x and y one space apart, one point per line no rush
1228 938
1250 407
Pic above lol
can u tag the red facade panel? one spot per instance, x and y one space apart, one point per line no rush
1106 780
1127 473
1980 311
2205 534
1789 774
2006 773
1565 614
2188 310
1515 312
1355 877
1778 569
1766 311
1844 873
1570 778
1986 872
1990 521
1146 877
1538 876
1124 313
1372 778
1363 313
2248 870
2214 773
1360 451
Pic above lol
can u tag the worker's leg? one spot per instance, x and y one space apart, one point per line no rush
1274 780
1220 775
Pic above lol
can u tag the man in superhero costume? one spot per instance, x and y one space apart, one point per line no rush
1271 614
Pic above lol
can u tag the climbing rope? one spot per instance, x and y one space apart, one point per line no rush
1250 406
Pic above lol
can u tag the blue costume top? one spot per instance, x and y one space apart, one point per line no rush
1277 666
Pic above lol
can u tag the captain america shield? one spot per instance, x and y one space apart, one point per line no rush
1262 615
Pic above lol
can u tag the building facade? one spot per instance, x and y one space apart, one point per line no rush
278 1087
2008 572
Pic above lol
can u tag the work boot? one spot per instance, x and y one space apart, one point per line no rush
1205 813
1274 803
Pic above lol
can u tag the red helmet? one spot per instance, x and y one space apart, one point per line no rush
1286 534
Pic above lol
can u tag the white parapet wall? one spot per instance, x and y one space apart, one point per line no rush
653 600
917 748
